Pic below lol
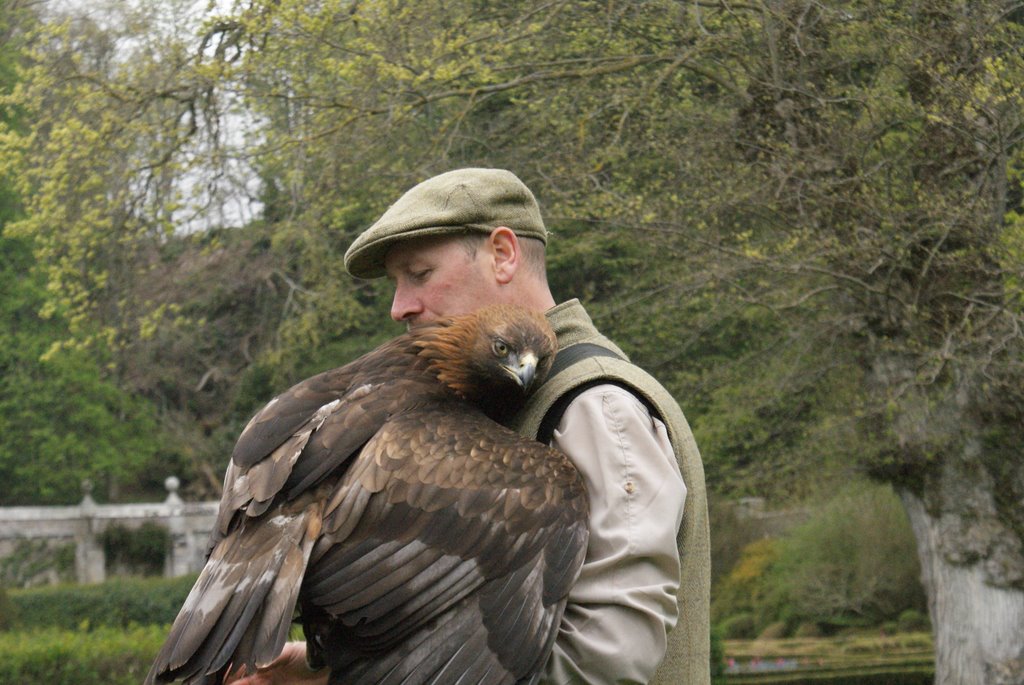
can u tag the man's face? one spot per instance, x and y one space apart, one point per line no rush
436 277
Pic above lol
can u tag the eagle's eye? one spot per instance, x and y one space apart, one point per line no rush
500 348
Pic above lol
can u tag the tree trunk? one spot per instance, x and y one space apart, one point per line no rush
978 617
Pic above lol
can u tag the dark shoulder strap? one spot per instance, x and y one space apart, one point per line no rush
565 358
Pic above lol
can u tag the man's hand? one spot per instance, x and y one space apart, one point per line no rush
288 669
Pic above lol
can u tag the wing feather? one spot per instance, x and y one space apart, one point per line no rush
284 415
457 533
290 410
331 435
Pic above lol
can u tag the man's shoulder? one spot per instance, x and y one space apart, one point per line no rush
588 369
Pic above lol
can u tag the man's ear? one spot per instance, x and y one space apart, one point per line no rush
506 252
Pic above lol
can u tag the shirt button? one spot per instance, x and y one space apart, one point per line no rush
630 487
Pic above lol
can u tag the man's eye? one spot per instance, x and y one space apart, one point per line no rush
420 275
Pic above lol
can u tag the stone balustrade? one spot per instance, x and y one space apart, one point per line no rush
189 525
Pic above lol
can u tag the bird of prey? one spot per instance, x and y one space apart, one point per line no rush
417 539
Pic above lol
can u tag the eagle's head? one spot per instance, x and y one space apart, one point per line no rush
493 357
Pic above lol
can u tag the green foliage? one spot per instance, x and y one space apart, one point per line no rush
913 621
10 18
107 656
745 600
76 426
737 627
61 421
8 614
717 658
807 629
763 233
852 563
140 550
805 219
730 534
116 603
774 631
771 409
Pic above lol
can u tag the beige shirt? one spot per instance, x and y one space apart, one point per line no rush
623 605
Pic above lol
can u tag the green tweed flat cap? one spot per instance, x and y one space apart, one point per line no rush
460 201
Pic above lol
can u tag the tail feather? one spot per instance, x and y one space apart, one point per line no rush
240 609
271 631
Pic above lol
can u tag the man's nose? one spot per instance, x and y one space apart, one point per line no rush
404 307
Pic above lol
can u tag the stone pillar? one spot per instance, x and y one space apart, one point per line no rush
182 552
90 560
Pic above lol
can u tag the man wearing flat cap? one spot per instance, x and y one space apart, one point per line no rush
639 611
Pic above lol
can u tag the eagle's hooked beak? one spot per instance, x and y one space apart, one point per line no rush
526 370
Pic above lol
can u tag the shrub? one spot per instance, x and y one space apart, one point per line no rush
808 629
751 587
774 631
738 627
717 658
731 534
140 550
852 564
913 621
116 603
8 613
108 656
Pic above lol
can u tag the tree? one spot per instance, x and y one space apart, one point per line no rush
848 170
124 143
804 216
60 421
884 140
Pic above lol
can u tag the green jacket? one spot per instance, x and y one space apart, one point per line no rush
688 659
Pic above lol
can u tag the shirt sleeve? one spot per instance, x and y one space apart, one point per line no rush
620 610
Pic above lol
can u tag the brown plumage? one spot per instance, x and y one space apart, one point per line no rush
420 541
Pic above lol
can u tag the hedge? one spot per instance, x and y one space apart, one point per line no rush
117 603
894 676
104 656
905 659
